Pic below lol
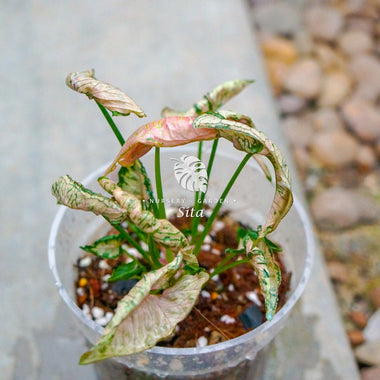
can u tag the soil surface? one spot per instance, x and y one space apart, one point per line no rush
230 304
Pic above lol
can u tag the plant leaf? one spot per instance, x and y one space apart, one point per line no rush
125 271
250 140
162 231
74 195
107 247
107 95
133 180
212 100
142 319
267 271
167 132
191 173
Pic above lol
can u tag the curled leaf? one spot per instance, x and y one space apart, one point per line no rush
213 100
167 132
134 180
250 140
107 247
74 195
107 95
142 319
162 231
266 269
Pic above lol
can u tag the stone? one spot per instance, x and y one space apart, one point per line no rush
358 318
355 337
304 78
353 42
368 353
370 373
328 58
338 271
304 43
277 72
327 119
372 331
301 156
363 118
365 69
278 18
288 103
299 132
334 149
279 48
338 208
375 297
323 22
366 158
335 88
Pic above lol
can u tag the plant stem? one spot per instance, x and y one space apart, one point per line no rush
199 203
112 124
131 241
220 202
229 266
160 195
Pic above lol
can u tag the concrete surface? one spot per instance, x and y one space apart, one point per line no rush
160 53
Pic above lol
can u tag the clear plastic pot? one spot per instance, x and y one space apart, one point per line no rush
249 201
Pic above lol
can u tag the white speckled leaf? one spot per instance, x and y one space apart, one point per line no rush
107 247
267 271
251 140
142 319
74 195
162 231
212 100
107 95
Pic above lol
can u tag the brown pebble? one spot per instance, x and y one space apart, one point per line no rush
355 337
81 299
372 373
337 270
216 337
375 297
359 318
95 286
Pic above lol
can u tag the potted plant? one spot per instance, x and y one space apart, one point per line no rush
165 267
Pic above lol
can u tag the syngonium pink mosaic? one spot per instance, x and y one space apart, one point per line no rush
130 330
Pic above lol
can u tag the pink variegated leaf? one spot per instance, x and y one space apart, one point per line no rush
107 95
167 132
142 319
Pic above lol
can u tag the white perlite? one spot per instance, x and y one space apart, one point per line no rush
227 319
202 341
205 294
218 225
97 312
85 262
252 296
103 265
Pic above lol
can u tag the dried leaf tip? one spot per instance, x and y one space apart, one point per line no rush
105 94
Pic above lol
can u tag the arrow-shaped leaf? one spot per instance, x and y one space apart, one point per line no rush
142 319
74 195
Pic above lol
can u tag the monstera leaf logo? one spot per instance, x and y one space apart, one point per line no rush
191 173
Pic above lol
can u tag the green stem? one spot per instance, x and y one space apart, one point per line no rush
219 203
131 241
112 124
154 252
160 195
229 266
199 203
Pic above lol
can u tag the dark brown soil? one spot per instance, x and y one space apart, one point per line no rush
218 312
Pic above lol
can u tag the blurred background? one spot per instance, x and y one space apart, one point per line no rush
317 71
